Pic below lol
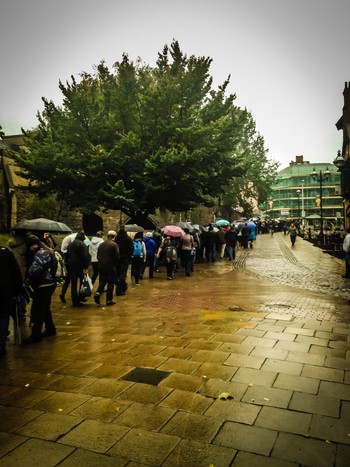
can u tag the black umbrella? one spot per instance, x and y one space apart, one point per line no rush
43 225
134 228
193 228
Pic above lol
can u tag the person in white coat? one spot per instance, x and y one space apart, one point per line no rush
93 248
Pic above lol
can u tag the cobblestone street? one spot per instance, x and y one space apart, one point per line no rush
245 363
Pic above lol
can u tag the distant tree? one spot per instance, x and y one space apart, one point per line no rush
140 138
259 175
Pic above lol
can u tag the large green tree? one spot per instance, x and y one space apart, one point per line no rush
139 138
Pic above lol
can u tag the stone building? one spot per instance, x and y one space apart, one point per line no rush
342 160
12 187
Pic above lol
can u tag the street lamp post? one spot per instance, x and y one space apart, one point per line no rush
298 195
302 203
322 177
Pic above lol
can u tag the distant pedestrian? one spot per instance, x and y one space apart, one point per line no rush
108 259
126 249
292 231
95 242
151 249
77 260
231 242
138 258
252 234
210 244
187 243
245 235
220 243
49 241
169 247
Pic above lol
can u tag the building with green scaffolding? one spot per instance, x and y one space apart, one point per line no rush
307 193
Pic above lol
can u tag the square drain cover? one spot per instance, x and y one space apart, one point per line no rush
146 376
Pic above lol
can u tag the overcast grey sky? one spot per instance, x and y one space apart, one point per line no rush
288 60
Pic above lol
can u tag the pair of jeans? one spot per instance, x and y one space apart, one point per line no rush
40 312
230 252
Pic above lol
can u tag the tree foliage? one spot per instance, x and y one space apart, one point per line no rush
139 139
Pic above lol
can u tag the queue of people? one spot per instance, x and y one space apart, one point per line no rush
30 264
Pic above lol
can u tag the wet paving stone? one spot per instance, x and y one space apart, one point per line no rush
276 344
94 435
49 426
145 446
36 452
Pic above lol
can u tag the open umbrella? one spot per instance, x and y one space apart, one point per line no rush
134 228
222 222
43 225
193 228
173 231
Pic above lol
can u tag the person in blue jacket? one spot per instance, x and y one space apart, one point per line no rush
151 250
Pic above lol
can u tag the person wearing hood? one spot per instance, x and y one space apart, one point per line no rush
138 257
126 250
93 247
41 278
77 260
151 250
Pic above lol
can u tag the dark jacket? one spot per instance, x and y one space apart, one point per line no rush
10 276
231 238
125 244
77 255
108 255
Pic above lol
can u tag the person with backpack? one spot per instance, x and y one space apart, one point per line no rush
151 248
169 246
11 285
138 257
41 279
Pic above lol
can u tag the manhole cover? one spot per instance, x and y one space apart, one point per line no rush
146 376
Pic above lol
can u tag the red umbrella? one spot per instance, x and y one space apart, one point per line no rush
173 231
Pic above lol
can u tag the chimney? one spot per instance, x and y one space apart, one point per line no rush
346 108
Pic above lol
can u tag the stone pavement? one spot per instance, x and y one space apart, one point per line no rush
246 363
